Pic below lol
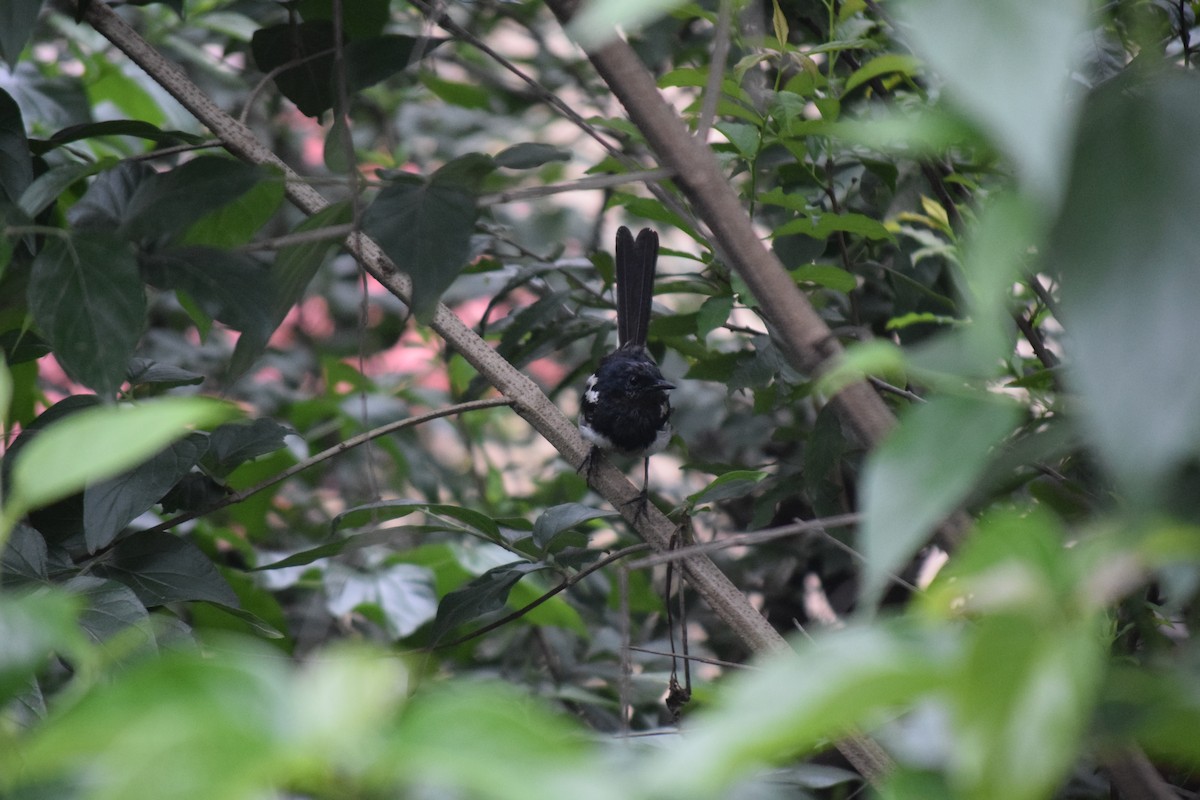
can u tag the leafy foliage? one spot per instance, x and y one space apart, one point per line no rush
246 598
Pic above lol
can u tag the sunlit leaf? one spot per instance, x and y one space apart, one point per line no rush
98 443
919 475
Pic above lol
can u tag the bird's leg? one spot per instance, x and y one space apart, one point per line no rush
643 499
588 465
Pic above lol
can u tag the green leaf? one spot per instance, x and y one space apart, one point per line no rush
826 275
713 313
920 473
98 443
402 592
235 223
110 505
1024 103
310 84
481 596
821 226
144 372
1126 245
368 19
1023 697
185 724
230 287
796 702
425 227
163 568
111 607
736 483
24 558
16 162
882 65
235 443
530 155
113 127
168 203
556 519
88 300
597 22
104 205
49 185
372 513
35 625
17 18
289 275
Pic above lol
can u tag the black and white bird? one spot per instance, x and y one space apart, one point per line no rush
625 406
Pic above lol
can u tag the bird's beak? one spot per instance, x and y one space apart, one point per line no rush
660 386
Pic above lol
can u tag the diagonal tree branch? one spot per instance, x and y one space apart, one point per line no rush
528 400
805 336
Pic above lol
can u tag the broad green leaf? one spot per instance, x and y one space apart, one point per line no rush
796 702
111 608
184 725
167 203
49 185
737 483
821 226
425 227
163 568
512 736
1126 245
826 275
713 313
368 19
597 21
104 205
881 65
236 223
464 95
24 557
920 473
34 625
110 505
17 18
16 163
98 443
403 593
230 287
143 372
483 595
290 274
88 301
22 345
235 443
556 519
310 83
1025 103
529 155
122 84
1022 698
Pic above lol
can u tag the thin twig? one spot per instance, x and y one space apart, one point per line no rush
336 450
523 610
752 537
583 184
690 657
300 237
716 70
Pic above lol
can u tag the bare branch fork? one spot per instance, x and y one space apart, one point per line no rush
805 338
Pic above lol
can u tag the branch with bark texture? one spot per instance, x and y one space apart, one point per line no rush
804 336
